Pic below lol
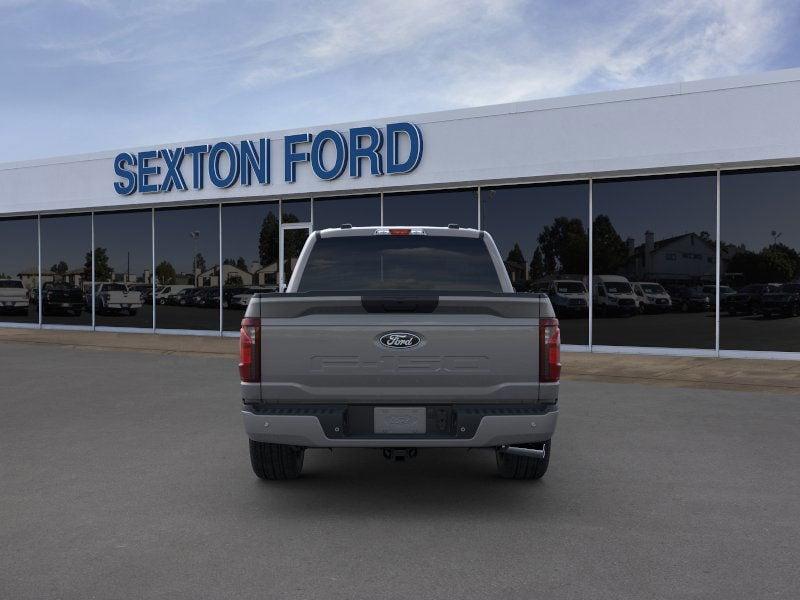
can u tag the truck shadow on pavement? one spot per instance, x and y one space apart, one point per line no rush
352 480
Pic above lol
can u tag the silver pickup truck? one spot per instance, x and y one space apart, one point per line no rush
400 338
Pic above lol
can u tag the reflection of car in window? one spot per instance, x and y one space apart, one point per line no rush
14 298
783 301
651 297
568 296
61 298
725 292
689 299
748 299
114 298
613 294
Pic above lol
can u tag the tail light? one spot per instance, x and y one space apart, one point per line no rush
549 351
250 351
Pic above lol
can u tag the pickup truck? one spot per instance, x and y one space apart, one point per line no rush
400 338
114 298
14 298
58 297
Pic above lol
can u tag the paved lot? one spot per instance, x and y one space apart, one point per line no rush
125 475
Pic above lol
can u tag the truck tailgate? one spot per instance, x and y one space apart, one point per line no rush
327 349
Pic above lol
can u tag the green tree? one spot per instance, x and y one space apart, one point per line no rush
59 268
165 273
515 255
241 263
234 281
102 271
610 250
268 241
775 263
536 269
565 246
199 262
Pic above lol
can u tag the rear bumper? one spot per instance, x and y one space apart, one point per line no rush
492 430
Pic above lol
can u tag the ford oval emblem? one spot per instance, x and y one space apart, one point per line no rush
399 339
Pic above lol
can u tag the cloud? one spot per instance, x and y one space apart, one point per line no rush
657 43
204 68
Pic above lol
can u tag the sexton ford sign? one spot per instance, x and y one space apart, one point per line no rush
225 164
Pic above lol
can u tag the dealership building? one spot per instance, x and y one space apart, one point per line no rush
677 205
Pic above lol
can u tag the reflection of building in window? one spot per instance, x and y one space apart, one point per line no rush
673 259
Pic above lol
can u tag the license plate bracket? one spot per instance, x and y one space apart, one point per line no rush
400 420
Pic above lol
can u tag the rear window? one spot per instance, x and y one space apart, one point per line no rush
10 283
384 262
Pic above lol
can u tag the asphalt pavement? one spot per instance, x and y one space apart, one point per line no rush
126 475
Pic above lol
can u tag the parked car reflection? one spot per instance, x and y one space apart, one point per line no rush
785 301
613 295
61 298
568 296
689 299
14 298
651 297
114 298
748 299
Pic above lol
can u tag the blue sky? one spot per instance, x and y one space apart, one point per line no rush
87 75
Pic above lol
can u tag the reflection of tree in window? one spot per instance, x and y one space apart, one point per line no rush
165 273
610 250
777 262
102 270
516 267
268 240
564 246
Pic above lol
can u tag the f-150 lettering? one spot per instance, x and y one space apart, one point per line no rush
392 364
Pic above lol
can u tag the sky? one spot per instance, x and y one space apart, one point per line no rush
89 75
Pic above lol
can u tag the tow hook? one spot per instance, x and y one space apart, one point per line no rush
527 452
399 454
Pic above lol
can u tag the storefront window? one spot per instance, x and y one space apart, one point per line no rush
123 265
250 257
67 269
542 234
654 261
359 211
439 208
760 260
296 211
187 268
19 270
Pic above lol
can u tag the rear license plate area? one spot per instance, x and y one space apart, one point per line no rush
400 420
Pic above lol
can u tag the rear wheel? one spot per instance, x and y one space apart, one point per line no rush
511 466
276 461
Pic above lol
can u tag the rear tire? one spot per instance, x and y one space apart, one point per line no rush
510 466
276 461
